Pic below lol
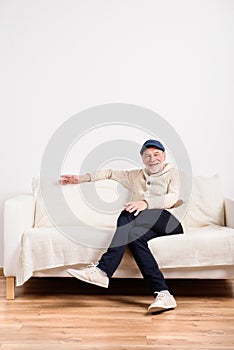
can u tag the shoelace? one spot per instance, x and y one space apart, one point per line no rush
161 296
91 268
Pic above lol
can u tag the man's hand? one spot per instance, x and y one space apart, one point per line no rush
137 206
69 179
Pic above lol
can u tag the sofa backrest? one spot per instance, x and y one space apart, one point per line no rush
206 205
99 203
95 204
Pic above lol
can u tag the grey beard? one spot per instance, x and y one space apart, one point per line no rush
155 170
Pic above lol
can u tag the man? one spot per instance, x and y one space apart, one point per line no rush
155 190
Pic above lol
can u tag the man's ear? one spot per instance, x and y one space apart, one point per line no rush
164 155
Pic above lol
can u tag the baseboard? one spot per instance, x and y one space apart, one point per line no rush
1 272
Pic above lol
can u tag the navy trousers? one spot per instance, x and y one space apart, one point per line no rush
136 231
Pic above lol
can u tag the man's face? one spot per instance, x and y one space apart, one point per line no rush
153 159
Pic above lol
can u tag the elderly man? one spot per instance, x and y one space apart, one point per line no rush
155 189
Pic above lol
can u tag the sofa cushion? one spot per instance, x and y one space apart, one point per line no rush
204 246
99 203
96 204
41 219
47 248
206 203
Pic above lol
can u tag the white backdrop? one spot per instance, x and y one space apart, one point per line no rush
59 57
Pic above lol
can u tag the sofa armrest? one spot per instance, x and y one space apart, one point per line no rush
229 212
18 216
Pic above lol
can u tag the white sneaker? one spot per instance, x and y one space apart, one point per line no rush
91 274
163 301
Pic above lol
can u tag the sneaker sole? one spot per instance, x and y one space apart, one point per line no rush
160 308
87 281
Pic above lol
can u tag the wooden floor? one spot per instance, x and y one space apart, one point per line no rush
65 314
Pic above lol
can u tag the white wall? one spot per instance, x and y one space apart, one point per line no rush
59 57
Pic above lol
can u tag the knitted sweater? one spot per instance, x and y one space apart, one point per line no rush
160 191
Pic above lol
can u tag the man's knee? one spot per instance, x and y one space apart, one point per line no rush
124 218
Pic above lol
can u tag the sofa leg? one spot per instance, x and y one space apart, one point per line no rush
10 288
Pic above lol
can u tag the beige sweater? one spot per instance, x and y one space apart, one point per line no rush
160 190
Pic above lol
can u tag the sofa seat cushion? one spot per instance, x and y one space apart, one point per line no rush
204 246
46 248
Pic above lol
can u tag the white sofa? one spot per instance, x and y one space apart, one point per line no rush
34 246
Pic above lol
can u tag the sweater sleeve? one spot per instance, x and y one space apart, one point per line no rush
169 199
121 176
